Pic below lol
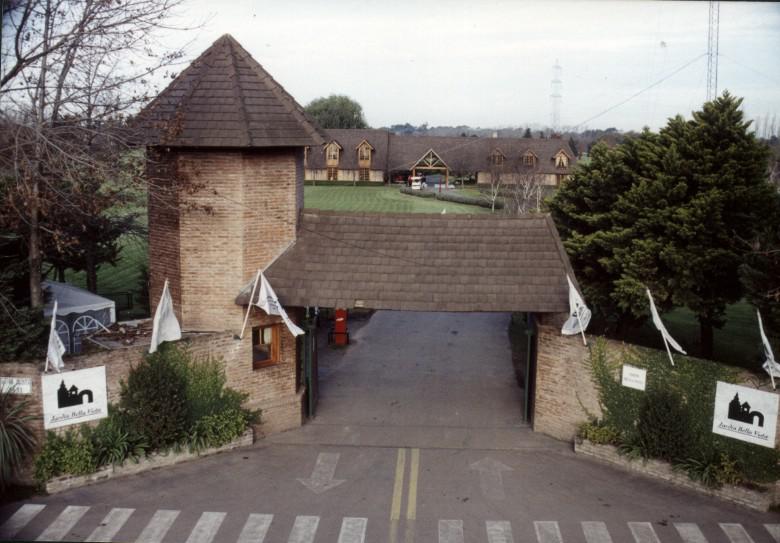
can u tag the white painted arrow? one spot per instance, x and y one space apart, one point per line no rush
321 479
490 479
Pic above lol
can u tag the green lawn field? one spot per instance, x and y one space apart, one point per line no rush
378 199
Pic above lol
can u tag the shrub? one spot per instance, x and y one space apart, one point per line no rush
418 193
662 429
114 441
69 454
712 469
17 440
218 429
469 200
599 433
155 397
206 390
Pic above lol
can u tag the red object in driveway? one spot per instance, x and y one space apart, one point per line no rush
340 334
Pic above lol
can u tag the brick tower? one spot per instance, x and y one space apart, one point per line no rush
225 161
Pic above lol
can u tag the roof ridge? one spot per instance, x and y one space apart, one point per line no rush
237 88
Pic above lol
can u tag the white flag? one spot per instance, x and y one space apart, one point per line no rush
55 349
166 326
668 339
770 365
268 302
579 314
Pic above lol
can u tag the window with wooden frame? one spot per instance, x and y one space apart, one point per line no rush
496 158
266 346
333 152
364 152
561 160
365 175
333 174
529 159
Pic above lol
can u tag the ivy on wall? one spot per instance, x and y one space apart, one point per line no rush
672 419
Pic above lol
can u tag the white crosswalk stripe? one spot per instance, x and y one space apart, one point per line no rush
20 519
450 531
113 522
596 532
643 532
690 533
736 533
159 525
63 524
255 529
353 530
548 532
304 529
499 531
206 528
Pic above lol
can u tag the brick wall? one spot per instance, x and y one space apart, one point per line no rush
234 212
271 389
565 391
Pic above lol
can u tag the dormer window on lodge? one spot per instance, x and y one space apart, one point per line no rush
332 153
364 153
497 158
561 160
529 159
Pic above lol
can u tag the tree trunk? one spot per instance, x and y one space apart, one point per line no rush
34 247
706 337
91 270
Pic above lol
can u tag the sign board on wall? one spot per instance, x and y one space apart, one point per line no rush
16 385
746 414
634 377
73 397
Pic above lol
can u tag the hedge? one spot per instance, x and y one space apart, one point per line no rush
418 193
678 401
468 200
312 183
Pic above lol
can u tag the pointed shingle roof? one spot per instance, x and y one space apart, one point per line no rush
226 99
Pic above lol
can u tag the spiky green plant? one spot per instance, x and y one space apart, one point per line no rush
17 440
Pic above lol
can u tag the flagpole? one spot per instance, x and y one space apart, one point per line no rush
582 330
249 305
666 344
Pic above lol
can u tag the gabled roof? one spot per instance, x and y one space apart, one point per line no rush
352 138
332 142
226 99
430 156
397 261
362 142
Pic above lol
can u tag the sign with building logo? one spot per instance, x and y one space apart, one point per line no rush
634 377
73 397
16 385
746 414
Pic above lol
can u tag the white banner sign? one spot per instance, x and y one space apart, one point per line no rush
634 377
16 385
72 397
746 414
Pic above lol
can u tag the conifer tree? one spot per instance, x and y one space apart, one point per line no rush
669 211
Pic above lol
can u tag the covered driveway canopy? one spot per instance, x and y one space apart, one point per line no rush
422 262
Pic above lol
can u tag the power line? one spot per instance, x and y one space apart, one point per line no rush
675 72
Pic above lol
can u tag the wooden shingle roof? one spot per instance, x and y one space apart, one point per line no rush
226 99
422 262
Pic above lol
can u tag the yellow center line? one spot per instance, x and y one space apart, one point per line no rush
398 493
414 469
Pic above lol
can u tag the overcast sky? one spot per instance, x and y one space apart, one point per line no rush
489 63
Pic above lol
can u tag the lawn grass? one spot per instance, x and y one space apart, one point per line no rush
737 344
379 199
125 276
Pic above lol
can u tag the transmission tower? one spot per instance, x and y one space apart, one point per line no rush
555 97
712 50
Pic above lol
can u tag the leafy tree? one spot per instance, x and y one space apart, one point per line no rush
337 111
527 133
760 272
675 208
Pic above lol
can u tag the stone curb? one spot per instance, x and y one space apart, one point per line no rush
155 461
656 469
